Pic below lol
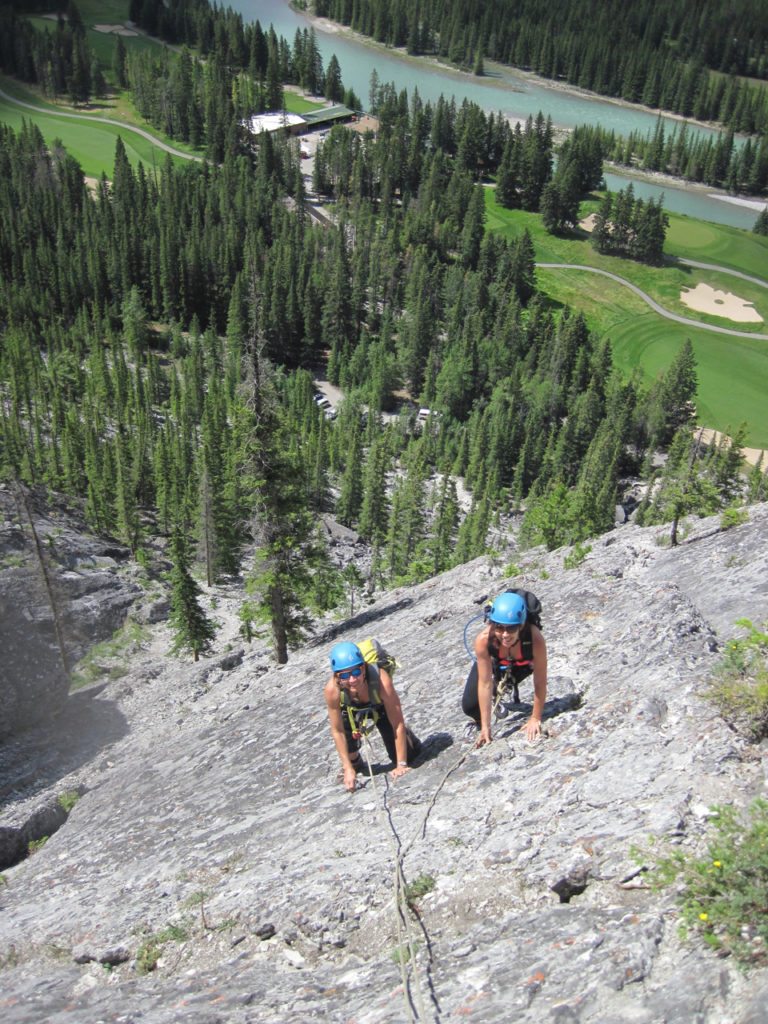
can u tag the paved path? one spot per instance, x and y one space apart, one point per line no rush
723 270
103 120
659 309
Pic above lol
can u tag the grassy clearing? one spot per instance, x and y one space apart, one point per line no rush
93 145
296 103
90 142
641 337
102 43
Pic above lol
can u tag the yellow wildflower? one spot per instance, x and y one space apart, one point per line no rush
703 917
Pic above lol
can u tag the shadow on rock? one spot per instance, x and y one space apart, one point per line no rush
433 746
361 619
516 714
43 755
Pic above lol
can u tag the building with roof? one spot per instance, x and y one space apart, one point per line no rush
297 124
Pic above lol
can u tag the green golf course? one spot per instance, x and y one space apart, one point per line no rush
732 368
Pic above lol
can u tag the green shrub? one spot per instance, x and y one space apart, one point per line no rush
419 887
68 800
724 894
147 955
734 515
739 688
150 950
402 954
577 556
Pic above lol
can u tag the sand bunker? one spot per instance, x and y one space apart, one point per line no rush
705 299
116 30
753 456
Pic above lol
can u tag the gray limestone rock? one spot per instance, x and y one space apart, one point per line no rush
51 613
212 828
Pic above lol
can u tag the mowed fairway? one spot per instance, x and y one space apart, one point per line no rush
91 143
732 371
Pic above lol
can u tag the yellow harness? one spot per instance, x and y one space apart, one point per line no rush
362 717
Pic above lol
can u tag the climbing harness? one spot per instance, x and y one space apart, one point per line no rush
362 717
506 684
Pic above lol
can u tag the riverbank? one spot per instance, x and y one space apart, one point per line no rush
498 76
699 187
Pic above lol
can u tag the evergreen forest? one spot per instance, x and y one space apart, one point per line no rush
160 332
692 59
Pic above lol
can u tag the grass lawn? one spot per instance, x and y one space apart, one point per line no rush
732 372
93 145
91 142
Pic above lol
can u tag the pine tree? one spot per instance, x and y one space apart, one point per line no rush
281 524
684 487
757 481
672 399
350 499
445 527
549 519
334 89
375 505
192 630
120 63
473 230
726 463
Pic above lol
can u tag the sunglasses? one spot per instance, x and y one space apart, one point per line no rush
353 673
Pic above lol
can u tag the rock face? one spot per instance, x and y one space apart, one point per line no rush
77 587
213 842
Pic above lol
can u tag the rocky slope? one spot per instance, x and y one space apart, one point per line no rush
213 841
61 591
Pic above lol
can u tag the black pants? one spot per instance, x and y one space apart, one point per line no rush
470 703
387 733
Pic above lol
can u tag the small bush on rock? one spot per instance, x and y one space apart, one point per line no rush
739 689
577 556
419 887
733 515
150 950
725 893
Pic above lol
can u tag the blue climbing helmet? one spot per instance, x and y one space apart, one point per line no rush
509 609
346 655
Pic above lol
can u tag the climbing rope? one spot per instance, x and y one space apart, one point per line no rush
401 893
401 903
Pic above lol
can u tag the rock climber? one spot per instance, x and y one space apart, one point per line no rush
360 695
508 649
